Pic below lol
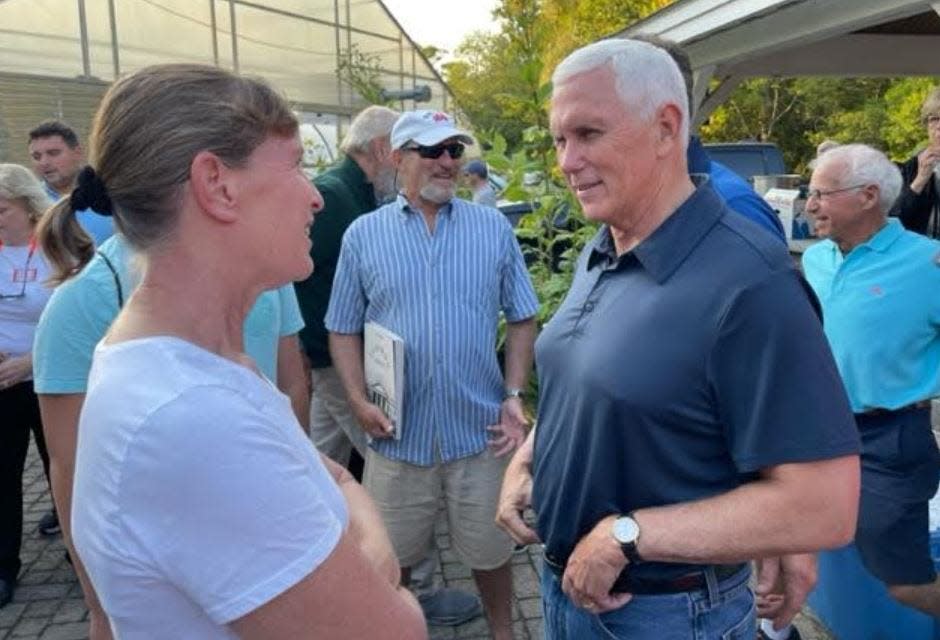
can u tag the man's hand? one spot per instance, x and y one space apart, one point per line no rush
511 430
15 370
516 495
783 583
372 420
593 568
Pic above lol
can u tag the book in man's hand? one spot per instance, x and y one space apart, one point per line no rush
385 372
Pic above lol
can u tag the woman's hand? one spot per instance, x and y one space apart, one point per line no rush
15 370
926 161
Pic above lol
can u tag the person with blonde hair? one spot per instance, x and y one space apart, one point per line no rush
23 294
918 203
200 509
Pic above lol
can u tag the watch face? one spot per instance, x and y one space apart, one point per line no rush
626 530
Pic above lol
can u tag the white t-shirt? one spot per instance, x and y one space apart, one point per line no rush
21 273
197 497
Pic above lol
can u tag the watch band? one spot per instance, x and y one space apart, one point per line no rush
511 392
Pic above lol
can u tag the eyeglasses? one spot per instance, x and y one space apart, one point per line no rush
454 149
818 194
932 120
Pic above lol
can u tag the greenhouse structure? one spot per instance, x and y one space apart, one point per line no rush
57 57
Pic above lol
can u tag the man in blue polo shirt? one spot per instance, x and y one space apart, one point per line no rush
57 158
733 189
688 402
880 291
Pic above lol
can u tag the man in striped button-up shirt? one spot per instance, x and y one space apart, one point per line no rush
438 270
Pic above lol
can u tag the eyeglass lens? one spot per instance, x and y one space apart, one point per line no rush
455 149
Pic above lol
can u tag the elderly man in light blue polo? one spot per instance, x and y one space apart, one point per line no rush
438 271
879 286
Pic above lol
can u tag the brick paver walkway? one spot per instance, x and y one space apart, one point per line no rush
48 602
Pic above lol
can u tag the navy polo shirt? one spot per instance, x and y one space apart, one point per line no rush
677 371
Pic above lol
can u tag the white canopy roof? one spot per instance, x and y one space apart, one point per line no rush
735 39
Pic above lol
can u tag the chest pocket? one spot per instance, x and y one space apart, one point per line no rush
475 280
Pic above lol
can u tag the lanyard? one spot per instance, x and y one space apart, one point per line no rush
32 248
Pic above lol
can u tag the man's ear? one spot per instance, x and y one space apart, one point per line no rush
872 195
668 122
214 187
381 148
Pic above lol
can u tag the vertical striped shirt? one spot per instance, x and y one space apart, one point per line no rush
442 293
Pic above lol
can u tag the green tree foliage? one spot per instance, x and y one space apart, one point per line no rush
905 133
497 77
799 113
579 22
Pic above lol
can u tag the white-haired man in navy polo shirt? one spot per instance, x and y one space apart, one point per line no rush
688 403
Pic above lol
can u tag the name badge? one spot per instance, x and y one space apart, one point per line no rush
24 275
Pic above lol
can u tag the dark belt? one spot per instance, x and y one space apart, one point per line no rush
879 412
626 583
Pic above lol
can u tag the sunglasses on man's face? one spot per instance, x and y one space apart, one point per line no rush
455 149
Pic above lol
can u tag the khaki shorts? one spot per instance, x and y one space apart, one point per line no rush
409 496
333 427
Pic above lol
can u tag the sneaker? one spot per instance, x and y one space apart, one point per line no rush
49 524
794 634
450 607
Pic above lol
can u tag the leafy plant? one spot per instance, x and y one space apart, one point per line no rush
555 232
361 72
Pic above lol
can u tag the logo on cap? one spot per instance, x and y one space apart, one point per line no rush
439 117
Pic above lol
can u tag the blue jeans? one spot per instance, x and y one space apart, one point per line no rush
721 611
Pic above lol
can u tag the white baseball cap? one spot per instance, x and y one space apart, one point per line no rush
427 128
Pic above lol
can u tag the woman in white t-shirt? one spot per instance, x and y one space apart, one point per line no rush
200 509
23 294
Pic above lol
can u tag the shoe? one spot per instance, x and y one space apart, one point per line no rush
49 524
794 634
6 592
450 607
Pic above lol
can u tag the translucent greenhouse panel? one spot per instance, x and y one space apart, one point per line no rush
159 31
100 51
223 33
292 43
29 100
439 98
319 133
298 56
40 37
370 15
319 9
379 51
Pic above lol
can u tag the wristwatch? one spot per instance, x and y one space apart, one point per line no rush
512 392
626 532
